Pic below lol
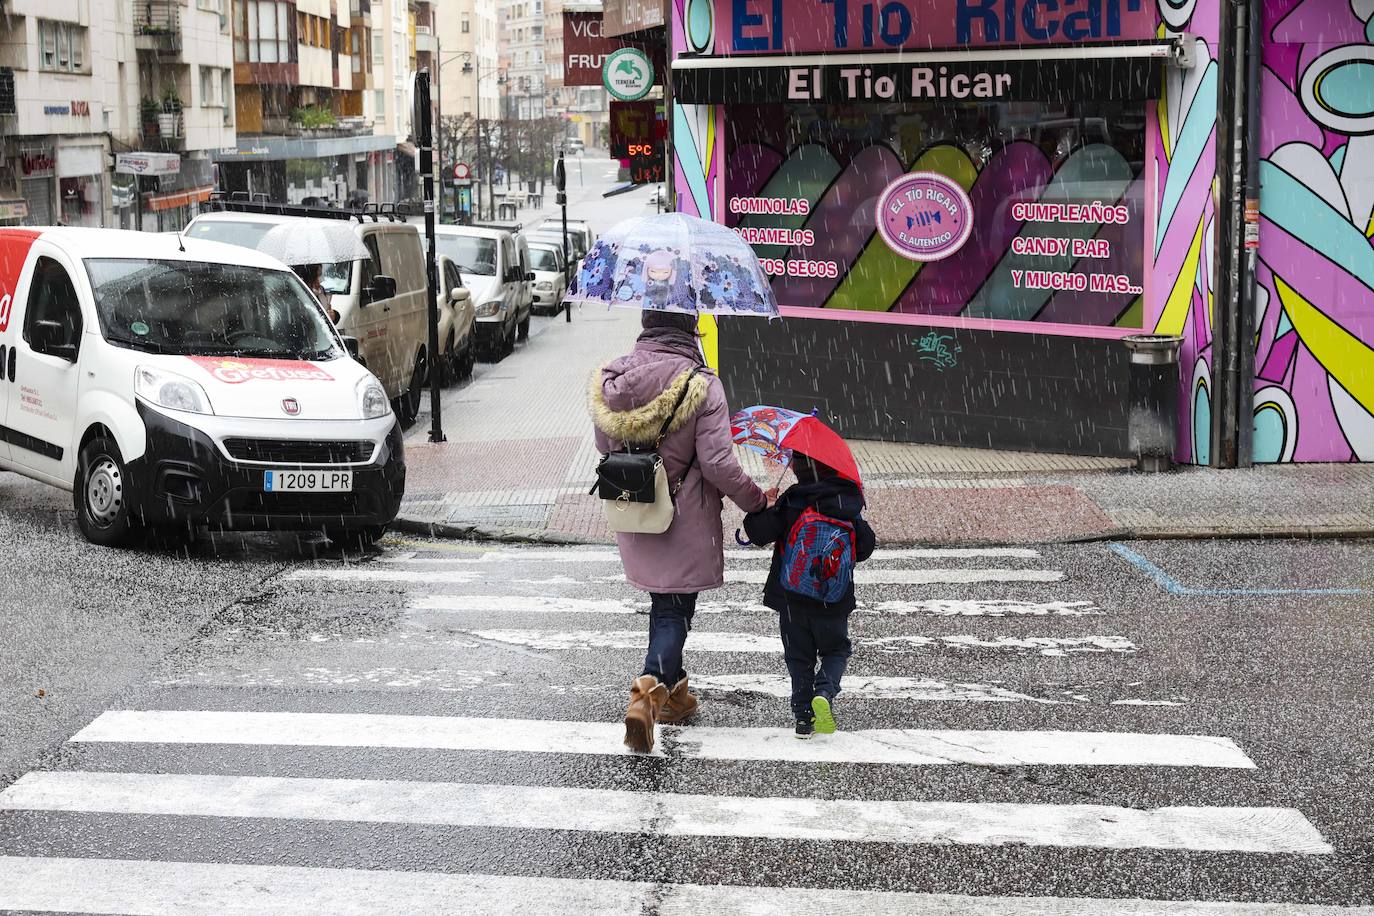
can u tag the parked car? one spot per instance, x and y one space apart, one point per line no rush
575 145
580 235
457 339
381 301
550 279
173 383
489 260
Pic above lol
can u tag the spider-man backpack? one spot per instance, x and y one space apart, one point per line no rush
818 557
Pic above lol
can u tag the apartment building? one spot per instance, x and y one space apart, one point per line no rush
315 102
110 109
468 43
522 49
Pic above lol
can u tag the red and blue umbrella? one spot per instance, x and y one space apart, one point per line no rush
777 432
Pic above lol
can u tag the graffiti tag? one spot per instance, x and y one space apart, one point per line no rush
940 350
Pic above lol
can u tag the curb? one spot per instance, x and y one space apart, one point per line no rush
535 536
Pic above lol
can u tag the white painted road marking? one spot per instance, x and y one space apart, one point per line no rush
938 607
576 555
709 641
908 747
198 889
1211 829
862 576
871 688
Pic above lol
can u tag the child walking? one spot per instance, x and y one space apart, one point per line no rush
820 536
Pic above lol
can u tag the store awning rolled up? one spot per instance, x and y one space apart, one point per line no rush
1105 73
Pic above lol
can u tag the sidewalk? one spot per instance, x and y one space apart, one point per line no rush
519 462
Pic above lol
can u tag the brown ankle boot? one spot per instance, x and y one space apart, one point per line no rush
681 704
647 697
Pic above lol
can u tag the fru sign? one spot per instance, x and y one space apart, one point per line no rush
802 26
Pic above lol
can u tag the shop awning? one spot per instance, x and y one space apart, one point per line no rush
1130 72
173 199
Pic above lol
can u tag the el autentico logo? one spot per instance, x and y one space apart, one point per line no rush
924 216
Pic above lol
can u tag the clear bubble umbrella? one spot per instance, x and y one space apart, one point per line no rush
673 262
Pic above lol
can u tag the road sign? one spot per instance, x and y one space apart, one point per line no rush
628 74
462 170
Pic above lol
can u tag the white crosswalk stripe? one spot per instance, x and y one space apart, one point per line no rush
875 576
891 746
199 889
938 607
996 597
1216 829
709 641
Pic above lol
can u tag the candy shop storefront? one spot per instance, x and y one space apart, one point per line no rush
953 198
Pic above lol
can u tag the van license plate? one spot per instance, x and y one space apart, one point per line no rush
307 482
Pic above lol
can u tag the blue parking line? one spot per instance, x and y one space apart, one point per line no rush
1174 587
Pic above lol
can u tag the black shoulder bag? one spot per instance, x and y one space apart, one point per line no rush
633 484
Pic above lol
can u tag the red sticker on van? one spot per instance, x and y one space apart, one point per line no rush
235 371
14 251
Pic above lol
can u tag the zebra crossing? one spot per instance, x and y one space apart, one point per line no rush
235 785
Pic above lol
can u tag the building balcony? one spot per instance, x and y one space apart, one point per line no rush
164 131
360 11
157 27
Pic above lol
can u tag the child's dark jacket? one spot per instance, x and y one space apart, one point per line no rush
833 496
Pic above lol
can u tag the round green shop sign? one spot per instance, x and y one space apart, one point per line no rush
627 74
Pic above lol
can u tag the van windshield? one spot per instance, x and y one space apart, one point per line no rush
472 253
205 309
543 259
334 278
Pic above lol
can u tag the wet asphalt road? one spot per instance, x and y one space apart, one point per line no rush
462 631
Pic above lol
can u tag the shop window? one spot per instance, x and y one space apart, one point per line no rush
1049 225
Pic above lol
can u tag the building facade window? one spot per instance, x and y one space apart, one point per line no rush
61 46
264 32
467 26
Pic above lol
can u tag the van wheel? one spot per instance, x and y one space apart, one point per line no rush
408 404
102 496
468 361
525 328
449 364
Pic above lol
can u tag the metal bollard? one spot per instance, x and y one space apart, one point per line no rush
1153 429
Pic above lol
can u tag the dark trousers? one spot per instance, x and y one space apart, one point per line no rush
808 641
670 617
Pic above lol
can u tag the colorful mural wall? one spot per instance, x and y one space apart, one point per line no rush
1314 366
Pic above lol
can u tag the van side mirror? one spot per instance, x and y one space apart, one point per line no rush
529 275
49 338
383 287
353 347
459 294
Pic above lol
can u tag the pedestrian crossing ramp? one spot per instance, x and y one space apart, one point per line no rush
272 807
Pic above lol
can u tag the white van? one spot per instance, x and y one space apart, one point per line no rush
550 277
170 383
494 264
381 301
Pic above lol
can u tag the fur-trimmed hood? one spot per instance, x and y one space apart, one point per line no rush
625 407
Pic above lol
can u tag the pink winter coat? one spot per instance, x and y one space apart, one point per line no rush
630 399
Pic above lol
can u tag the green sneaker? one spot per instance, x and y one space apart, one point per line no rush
825 721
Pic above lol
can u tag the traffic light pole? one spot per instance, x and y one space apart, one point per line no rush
560 181
424 135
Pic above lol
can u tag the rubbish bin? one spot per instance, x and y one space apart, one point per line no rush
1153 427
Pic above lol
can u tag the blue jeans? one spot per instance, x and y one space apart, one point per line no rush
670 617
808 639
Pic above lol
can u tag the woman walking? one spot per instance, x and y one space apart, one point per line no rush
631 398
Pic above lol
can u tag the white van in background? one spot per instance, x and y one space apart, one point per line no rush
494 267
381 301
